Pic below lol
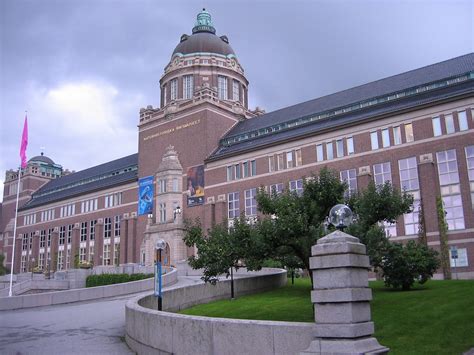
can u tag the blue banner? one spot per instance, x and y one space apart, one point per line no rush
145 195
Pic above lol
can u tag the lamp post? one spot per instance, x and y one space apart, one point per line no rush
340 216
49 267
176 212
160 246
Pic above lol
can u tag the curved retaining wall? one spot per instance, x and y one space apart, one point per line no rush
152 332
83 294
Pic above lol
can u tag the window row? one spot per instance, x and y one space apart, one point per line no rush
326 151
285 160
112 200
29 219
447 122
67 210
89 205
47 215
163 185
389 136
241 170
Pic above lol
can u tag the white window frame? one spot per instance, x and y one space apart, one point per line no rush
374 140
436 122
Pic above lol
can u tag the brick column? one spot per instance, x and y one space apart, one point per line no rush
132 231
54 249
35 250
341 297
429 189
17 261
124 239
364 176
75 244
99 242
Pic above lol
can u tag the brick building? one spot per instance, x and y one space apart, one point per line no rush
203 154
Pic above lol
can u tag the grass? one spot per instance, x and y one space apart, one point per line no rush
436 318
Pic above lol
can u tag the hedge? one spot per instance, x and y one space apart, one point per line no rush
110 279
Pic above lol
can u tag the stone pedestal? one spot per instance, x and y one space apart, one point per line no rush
341 297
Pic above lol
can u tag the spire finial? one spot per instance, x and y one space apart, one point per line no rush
204 22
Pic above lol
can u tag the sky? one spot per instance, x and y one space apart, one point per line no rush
84 68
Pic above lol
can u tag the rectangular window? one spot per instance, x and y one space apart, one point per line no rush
449 122
447 167
237 171
82 254
162 211
289 160
116 254
62 235
165 95
411 219
245 169
175 185
253 167
409 137
462 120
235 90
390 229
188 87
83 231
339 148
350 178
23 263
280 161
222 87
385 138
382 173
230 173
41 261
397 136
42 243
60 259
319 152
233 205
174 89
408 174
116 226
68 259
91 253
350 145
106 255
30 241
298 157
24 242
454 211
112 200
329 151
271 163
107 227
276 189
296 186
92 230
436 126
161 186
69 233
250 202
374 140
450 189
50 233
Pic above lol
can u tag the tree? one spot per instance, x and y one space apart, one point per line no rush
443 239
224 249
3 270
402 265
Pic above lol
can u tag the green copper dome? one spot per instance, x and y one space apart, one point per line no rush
203 39
204 23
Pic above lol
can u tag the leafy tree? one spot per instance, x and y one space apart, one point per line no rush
294 222
443 238
224 249
402 265
3 270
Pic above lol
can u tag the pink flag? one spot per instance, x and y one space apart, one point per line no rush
24 143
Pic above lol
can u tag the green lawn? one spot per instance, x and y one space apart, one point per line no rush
436 318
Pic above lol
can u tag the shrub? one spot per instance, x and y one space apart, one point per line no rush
402 265
110 279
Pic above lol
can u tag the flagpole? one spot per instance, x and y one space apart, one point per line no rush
14 233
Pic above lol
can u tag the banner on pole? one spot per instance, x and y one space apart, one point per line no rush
195 184
145 195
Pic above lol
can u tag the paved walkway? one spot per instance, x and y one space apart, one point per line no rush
91 327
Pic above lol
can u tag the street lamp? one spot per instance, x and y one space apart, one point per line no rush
176 212
340 216
159 247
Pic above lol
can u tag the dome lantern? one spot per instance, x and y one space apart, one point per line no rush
204 23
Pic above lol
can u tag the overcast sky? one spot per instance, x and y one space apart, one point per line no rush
83 68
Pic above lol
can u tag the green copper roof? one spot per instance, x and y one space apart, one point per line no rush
204 23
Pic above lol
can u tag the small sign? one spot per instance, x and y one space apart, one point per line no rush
454 253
